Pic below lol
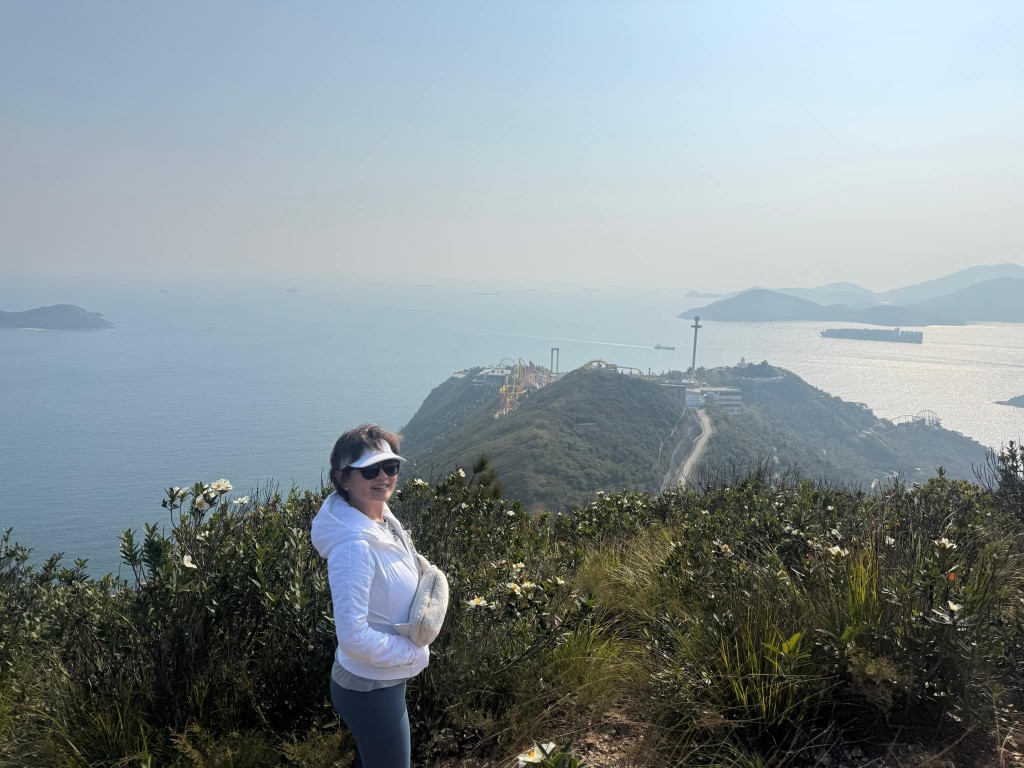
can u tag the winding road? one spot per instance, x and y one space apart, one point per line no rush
699 444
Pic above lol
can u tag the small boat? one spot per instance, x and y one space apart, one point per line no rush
663 346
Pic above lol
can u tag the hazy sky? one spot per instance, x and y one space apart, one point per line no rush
711 145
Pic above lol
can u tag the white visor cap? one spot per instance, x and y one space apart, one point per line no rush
376 455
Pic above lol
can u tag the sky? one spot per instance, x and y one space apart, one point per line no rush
688 145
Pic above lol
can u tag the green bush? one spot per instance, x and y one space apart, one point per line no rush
501 662
747 624
776 610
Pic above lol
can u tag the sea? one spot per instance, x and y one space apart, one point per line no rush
254 384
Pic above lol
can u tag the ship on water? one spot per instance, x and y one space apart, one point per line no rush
663 346
875 334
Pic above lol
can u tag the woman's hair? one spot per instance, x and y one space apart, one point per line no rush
351 445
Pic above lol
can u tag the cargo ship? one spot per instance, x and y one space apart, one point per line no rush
875 334
663 346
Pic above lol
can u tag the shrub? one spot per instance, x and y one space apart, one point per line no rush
778 609
746 625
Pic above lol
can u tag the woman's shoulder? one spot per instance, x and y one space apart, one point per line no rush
355 553
352 547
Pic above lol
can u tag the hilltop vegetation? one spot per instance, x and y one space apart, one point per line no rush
598 430
761 623
591 430
760 620
799 427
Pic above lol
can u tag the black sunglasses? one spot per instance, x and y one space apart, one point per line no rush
390 469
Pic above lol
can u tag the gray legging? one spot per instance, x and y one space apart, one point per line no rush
379 722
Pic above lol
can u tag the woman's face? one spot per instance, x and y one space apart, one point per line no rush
368 495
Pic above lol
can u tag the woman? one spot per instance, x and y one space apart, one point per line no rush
373 573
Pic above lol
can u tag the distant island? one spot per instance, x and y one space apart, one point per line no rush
1016 402
59 317
979 294
762 305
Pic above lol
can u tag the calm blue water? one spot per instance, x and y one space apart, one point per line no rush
255 385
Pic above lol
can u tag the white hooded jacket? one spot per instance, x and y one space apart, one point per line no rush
373 579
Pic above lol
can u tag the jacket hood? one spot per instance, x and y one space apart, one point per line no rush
339 521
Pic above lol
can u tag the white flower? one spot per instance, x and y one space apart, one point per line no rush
477 602
954 607
536 754
202 504
511 513
724 549
889 540
528 585
559 581
187 562
241 500
221 486
418 481
944 543
461 472
518 566
836 551
179 493
513 587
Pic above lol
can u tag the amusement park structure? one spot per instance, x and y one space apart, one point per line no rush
605 365
522 378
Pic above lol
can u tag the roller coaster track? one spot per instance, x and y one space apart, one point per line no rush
605 365
522 379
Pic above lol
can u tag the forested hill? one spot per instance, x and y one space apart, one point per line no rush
599 430
591 430
793 424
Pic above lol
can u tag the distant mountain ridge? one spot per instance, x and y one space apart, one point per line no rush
943 286
64 317
977 294
1000 301
762 305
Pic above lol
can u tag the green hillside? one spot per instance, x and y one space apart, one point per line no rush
595 430
786 419
591 430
